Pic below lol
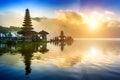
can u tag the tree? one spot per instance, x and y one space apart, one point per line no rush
4 30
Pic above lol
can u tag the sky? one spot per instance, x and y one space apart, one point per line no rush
48 7
12 11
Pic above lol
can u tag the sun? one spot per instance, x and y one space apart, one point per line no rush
94 20
93 24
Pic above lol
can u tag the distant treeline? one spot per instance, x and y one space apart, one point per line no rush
5 30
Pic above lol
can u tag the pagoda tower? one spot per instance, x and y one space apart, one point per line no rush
27 21
26 31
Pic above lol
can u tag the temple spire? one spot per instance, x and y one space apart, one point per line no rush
27 24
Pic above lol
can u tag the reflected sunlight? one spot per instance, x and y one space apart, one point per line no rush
95 56
94 51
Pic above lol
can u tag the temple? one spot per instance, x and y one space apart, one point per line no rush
43 35
27 30
62 37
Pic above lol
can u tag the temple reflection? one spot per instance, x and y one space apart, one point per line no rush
62 44
26 50
43 48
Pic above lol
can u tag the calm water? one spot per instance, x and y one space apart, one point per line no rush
82 60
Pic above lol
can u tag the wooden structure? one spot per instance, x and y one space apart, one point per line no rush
43 35
26 31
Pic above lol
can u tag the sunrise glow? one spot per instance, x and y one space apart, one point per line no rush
60 39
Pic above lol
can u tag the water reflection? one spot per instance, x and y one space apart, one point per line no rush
43 48
82 58
62 44
26 50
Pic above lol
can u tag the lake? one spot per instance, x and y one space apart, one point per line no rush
80 60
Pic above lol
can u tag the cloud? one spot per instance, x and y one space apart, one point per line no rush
73 24
69 17
66 20
11 19
109 13
112 23
36 19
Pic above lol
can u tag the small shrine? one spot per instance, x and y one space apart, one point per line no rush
62 37
43 35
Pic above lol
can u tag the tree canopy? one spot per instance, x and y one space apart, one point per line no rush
5 30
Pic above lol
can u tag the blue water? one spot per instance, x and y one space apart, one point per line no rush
83 60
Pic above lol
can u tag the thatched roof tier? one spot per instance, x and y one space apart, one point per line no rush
43 32
27 24
27 28
27 32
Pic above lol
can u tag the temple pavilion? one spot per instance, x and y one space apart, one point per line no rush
43 35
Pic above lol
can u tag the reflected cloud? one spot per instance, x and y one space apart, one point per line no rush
88 55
